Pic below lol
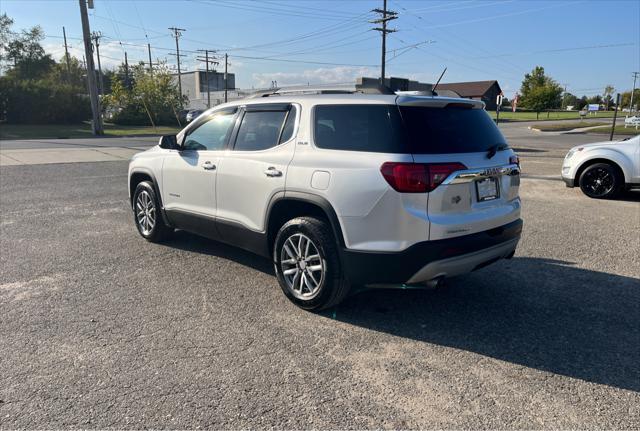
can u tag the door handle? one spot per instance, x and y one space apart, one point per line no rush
208 166
272 172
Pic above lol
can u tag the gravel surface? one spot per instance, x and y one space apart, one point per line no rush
100 329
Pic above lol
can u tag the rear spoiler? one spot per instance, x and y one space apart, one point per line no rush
438 102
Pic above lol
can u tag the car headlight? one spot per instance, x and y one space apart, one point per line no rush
569 154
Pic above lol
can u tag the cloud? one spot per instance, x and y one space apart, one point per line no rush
334 75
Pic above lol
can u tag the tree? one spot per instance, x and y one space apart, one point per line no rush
36 89
151 98
625 99
607 95
540 92
570 100
5 37
581 102
595 100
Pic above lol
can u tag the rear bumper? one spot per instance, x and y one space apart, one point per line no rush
430 259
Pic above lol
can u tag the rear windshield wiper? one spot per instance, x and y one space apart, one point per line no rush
494 149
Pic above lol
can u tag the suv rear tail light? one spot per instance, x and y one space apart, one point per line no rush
417 177
514 160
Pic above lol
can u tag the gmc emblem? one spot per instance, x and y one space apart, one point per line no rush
489 172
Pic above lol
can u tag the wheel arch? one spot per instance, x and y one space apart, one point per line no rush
286 206
139 175
610 161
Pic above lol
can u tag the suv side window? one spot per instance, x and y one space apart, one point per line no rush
372 128
212 134
260 130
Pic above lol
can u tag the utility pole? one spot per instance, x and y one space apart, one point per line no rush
564 97
96 124
387 15
206 74
96 35
150 63
177 32
226 65
615 114
66 53
126 70
635 76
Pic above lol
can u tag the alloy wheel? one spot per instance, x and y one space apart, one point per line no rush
302 267
145 212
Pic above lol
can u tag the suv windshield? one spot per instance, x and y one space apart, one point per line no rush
450 130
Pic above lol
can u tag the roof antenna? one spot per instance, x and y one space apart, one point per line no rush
438 82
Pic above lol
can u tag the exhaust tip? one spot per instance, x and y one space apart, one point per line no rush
435 283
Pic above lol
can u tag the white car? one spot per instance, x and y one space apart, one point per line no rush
603 169
338 189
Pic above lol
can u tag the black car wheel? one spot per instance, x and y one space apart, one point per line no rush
600 181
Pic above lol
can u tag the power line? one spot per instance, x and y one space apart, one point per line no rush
301 61
273 11
465 44
578 48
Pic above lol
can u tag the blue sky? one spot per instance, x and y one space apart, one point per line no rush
584 44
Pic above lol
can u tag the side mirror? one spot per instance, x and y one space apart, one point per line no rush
169 142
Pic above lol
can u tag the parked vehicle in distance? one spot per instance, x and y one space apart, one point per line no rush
182 116
338 189
604 169
193 114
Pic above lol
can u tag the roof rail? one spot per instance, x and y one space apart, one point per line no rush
327 89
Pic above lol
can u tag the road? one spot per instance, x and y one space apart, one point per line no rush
99 328
104 142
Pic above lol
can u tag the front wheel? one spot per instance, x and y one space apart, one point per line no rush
146 212
307 266
600 181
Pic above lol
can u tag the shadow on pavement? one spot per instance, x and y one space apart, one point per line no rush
189 242
629 196
529 150
538 313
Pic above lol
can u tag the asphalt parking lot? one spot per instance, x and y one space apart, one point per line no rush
100 329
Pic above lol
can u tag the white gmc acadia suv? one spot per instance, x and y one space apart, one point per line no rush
338 189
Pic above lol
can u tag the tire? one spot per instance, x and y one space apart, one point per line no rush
307 265
146 213
601 181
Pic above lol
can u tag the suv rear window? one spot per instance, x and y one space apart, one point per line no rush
374 128
405 129
450 130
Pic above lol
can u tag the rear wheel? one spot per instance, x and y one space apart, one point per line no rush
146 213
601 181
307 265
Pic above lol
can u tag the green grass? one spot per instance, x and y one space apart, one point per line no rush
561 115
620 130
561 127
50 131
